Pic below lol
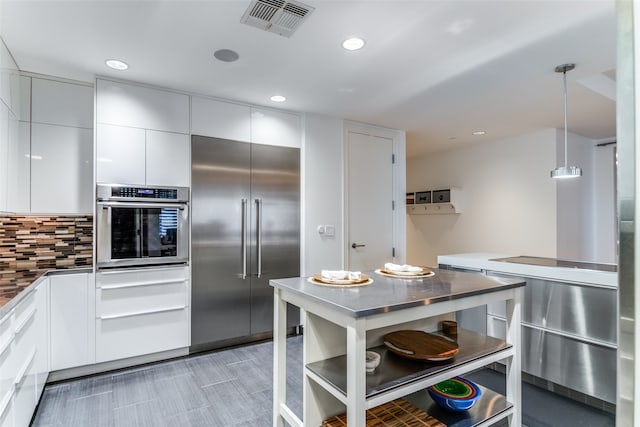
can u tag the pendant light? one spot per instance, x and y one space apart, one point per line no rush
565 171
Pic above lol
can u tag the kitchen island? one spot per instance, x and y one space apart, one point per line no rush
569 321
340 324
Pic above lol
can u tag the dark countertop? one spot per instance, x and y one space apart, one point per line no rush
388 294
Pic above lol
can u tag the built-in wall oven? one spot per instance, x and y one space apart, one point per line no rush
141 225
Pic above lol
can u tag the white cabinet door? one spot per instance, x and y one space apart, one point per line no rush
7 372
168 159
70 323
273 127
220 119
61 169
61 103
24 96
137 106
41 363
120 156
7 69
19 168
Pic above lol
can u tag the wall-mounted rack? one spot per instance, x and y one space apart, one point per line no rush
435 202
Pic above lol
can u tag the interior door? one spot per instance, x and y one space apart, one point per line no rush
370 198
275 228
220 190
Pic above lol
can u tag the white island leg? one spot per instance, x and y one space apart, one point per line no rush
356 374
279 357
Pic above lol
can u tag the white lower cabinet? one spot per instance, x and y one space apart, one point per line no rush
71 324
141 311
7 372
23 357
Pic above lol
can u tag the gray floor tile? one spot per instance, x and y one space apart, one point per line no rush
134 387
95 411
230 403
234 388
200 417
180 394
143 414
91 386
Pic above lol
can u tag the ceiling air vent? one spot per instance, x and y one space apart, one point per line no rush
276 16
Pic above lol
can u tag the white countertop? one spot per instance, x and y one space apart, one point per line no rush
482 261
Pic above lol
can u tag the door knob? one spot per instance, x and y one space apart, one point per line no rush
355 245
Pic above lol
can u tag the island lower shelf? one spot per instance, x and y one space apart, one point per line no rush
397 376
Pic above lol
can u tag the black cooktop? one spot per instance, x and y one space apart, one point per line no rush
552 262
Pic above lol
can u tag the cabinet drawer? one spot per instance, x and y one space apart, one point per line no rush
564 360
124 336
587 311
141 297
6 335
6 409
24 310
25 392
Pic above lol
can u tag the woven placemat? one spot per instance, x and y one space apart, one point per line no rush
397 413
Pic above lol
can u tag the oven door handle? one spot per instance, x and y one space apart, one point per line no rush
106 205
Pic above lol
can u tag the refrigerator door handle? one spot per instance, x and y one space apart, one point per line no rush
259 234
244 239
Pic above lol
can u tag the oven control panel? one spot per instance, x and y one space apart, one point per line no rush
147 193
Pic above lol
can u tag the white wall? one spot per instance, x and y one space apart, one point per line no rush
509 199
586 205
322 192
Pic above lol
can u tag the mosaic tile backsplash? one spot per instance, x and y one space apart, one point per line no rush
30 245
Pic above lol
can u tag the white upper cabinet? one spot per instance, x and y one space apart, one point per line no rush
8 72
61 169
59 103
4 154
220 119
168 159
120 156
24 113
136 106
19 168
273 127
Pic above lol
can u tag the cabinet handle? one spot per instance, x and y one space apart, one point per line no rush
140 284
6 401
142 313
244 239
259 234
19 327
105 205
23 370
7 344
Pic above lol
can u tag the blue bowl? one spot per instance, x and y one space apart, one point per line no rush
455 394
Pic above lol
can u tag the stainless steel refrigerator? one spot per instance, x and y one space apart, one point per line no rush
245 230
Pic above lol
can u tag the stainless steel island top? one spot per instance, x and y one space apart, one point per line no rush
388 294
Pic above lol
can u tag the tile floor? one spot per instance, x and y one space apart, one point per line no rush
233 388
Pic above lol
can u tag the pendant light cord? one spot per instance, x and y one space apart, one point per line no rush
565 117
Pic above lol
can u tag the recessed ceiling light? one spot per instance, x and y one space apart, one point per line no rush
226 55
479 133
116 64
278 98
354 43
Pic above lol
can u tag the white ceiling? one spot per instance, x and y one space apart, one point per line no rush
438 69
